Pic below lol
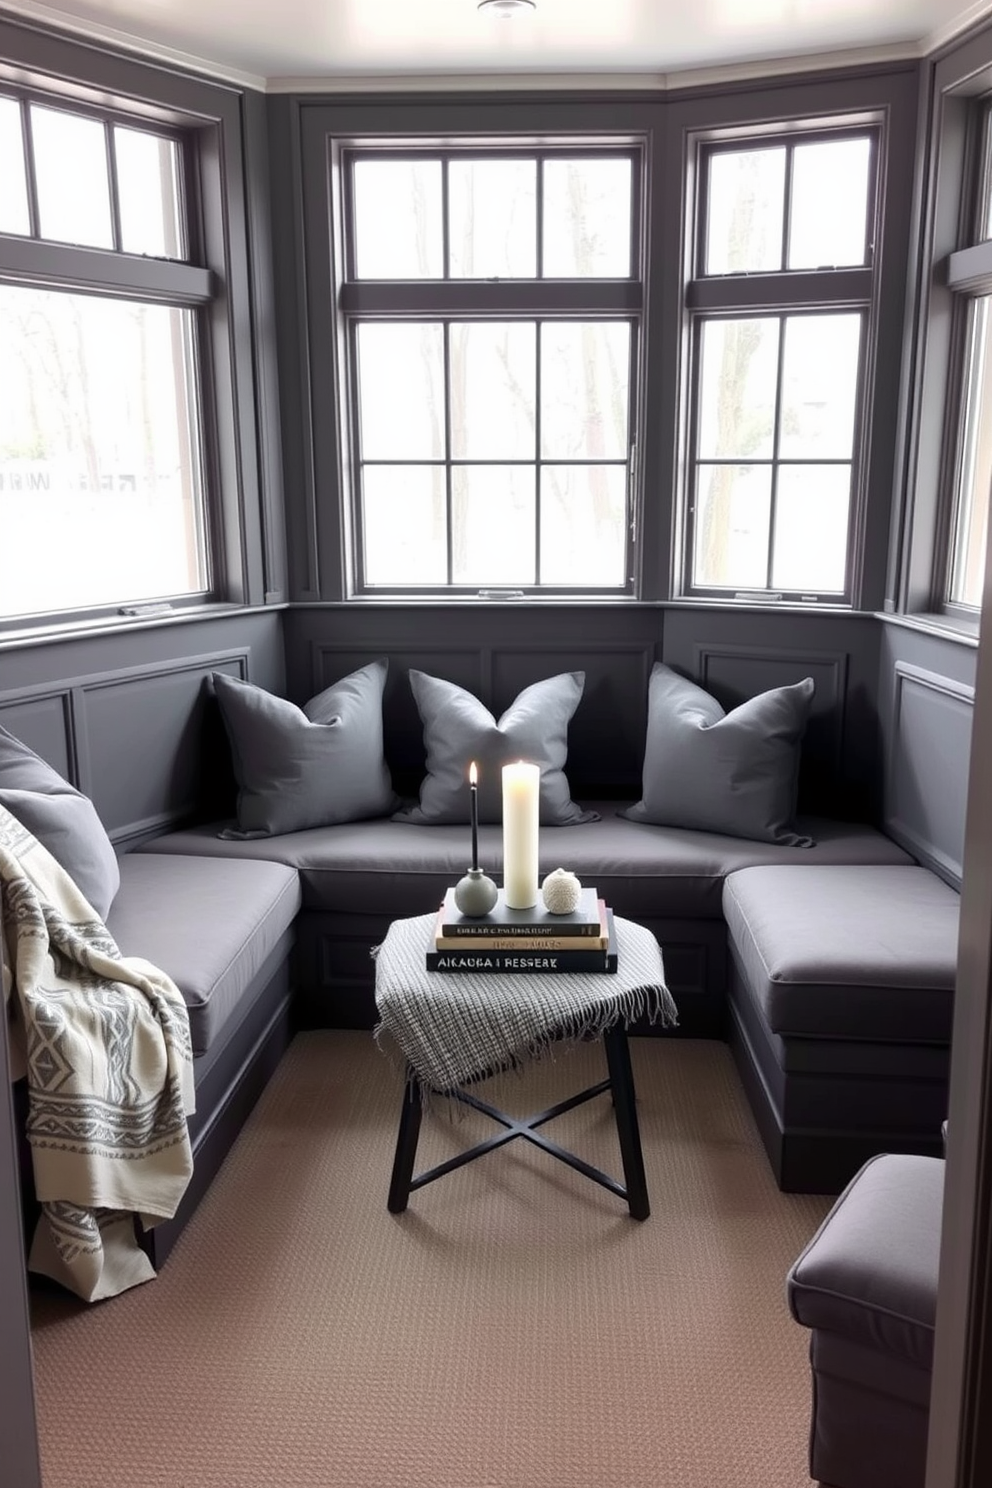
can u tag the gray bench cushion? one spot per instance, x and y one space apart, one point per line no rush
395 868
864 952
869 1274
221 923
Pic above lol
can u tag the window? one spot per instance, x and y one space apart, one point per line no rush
778 309
491 301
969 277
102 485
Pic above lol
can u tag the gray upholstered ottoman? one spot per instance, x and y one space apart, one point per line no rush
866 1285
841 999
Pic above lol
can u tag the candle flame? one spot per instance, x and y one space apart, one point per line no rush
473 774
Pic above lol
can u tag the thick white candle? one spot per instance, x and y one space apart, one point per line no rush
521 816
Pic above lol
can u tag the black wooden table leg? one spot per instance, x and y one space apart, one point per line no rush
406 1146
625 1110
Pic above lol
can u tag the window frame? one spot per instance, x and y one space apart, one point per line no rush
967 275
959 81
229 255
30 260
451 300
777 293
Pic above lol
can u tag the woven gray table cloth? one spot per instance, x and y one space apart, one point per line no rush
452 1027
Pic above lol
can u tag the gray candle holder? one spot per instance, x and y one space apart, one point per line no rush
475 894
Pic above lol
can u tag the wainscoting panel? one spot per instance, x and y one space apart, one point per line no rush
163 711
42 719
606 736
927 774
736 655
735 673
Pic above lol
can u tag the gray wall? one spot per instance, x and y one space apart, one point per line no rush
496 651
128 717
926 692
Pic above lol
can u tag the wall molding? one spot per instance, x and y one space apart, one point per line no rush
899 824
833 664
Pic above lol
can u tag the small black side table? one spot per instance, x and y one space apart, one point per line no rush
620 1084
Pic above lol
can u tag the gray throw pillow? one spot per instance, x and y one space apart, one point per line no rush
734 772
459 729
63 820
307 767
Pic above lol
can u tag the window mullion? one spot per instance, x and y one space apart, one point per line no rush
115 200
31 178
776 452
448 469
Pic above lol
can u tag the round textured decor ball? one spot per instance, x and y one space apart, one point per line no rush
561 891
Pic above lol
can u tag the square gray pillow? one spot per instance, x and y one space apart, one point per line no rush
307 767
63 820
734 772
459 729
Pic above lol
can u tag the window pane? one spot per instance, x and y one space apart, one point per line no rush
971 514
583 525
401 391
585 376
493 375
397 219
98 464
13 188
812 506
819 386
829 204
405 524
148 193
492 215
70 161
745 208
587 207
738 373
492 516
733 511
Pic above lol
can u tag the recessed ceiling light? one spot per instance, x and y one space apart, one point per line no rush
507 8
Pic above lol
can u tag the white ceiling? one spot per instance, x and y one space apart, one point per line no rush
346 43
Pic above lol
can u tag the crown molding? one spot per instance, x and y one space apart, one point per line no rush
151 51
665 82
972 15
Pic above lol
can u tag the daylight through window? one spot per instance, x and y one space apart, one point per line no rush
492 304
778 312
100 438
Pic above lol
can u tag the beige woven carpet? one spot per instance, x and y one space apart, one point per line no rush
514 1329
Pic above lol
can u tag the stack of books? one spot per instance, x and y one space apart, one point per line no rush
525 940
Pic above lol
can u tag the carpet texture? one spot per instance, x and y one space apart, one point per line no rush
514 1329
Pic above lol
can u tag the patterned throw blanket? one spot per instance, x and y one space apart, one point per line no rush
452 1027
104 1041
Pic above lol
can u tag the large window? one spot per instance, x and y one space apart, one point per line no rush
777 306
102 485
491 301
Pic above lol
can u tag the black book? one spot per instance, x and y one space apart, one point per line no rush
502 921
477 959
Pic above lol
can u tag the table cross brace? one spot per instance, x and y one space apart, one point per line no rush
619 1084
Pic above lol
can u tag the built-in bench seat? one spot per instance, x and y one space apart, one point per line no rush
357 877
841 998
224 931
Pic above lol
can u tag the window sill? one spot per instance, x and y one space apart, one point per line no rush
19 636
963 631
